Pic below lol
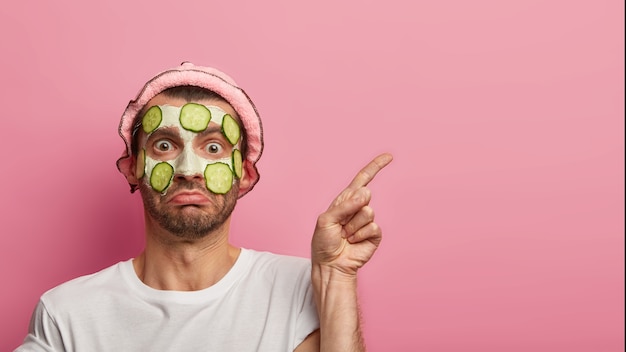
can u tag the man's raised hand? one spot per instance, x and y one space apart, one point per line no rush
346 235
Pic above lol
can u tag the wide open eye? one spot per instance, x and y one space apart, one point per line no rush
214 148
163 145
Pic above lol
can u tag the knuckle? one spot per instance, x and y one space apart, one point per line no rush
322 220
376 229
368 213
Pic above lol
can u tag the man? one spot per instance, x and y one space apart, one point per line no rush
192 142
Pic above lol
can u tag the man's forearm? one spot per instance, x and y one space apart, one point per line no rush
337 305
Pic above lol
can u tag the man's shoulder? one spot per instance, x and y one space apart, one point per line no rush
277 260
278 265
86 286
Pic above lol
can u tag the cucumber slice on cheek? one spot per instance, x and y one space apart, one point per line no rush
161 176
195 117
140 168
219 178
237 163
152 119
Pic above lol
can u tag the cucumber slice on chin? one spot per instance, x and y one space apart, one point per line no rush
195 117
161 176
219 178
237 163
140 167
230 129
152 119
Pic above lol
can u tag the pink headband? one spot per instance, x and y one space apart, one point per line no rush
205 77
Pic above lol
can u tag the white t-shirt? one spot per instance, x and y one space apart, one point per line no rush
264 303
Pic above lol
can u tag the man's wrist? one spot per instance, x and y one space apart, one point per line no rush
335 293
322 275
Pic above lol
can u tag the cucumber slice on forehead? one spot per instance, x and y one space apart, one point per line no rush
237 163
152 119
161 176
195 117
219 178
231 130
140 168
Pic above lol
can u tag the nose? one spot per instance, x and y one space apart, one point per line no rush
188 178
188 165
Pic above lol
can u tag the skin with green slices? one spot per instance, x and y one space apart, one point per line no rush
152 119
237 163
141 163
161 176
231 129
219 178
195 117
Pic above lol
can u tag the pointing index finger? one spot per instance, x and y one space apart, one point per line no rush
370 170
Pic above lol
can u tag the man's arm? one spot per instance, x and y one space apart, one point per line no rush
345 238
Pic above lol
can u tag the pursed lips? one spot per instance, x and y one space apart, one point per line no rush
189 198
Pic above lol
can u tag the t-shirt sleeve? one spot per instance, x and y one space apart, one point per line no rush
308 320
43 333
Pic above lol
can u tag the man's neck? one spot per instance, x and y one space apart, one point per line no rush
171 263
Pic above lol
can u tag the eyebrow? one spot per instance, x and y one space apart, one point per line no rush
211 129
168 132
172 132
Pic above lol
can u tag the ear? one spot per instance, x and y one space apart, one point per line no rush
248 176
132 176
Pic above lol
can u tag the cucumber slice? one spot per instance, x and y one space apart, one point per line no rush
161 176
219 178
195 117
230 129
237 163
152 119
140 167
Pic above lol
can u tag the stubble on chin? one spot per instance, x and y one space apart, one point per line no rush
189 222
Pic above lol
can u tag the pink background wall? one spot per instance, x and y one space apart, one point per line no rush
503 210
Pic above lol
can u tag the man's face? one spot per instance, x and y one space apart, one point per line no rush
187 177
